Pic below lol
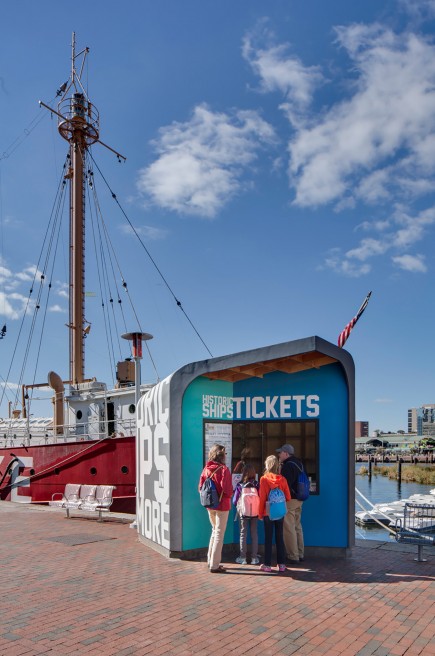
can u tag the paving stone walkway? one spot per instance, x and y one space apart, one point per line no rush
83 587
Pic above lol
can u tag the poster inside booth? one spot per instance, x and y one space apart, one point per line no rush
218 433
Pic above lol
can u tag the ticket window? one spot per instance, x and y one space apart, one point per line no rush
263 438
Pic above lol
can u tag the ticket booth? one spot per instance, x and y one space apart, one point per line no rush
299 392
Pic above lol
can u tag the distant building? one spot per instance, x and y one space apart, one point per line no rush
422 420
405 441
361 429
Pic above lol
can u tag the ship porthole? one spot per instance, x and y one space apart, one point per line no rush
32 472
93 470
57 471
79 414
124 469
132 408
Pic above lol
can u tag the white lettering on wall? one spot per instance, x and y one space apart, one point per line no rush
313 405
217 407
257 414
153 435
266 407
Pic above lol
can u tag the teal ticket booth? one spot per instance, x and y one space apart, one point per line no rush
299 392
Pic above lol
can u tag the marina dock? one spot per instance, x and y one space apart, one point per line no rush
81 587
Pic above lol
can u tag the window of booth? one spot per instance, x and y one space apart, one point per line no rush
263 438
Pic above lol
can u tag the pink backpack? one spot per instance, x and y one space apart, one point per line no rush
249 501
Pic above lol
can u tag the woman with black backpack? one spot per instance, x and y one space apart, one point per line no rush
216 471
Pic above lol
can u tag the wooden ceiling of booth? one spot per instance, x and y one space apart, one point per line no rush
289 365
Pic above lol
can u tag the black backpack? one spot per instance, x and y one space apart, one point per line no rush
208 493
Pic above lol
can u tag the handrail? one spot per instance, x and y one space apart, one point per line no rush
56 465
34 435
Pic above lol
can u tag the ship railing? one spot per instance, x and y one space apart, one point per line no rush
20 436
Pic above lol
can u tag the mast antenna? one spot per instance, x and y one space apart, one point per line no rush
79 124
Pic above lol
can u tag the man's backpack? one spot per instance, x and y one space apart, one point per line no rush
302 484
208 493
276 504
249 501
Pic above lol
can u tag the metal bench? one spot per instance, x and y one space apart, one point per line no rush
87 498
71 493
417 527
86 494
101 502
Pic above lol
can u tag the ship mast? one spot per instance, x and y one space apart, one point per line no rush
78 123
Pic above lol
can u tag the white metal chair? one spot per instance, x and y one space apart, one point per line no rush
102 501
70 494
87 495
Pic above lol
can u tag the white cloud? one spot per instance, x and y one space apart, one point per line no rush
389 115
56 308
10 386
340 264
413 263
150 232
29 274
367 248
412 228
12 305
201 161
374 187
419 9
378 225
398 233
62 290
280 71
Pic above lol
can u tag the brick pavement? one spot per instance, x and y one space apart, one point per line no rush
83 587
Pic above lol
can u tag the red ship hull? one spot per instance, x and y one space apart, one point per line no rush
33 474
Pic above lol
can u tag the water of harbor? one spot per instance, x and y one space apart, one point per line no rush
381 489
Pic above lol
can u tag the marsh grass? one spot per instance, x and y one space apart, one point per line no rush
410 473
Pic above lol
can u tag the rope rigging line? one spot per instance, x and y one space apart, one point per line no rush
114 259
98 260
5 385
29 298
178 302
103 230
36 120
2 278
40 292
61 206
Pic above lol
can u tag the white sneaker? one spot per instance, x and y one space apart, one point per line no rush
255 561
241 561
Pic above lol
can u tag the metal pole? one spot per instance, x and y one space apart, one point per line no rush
136 339
137 377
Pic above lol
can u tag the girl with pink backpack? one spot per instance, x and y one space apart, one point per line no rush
247 501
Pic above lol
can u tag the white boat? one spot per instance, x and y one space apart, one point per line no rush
388 513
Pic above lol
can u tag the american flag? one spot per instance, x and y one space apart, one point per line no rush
346 331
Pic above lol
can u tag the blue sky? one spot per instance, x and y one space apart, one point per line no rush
280 164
